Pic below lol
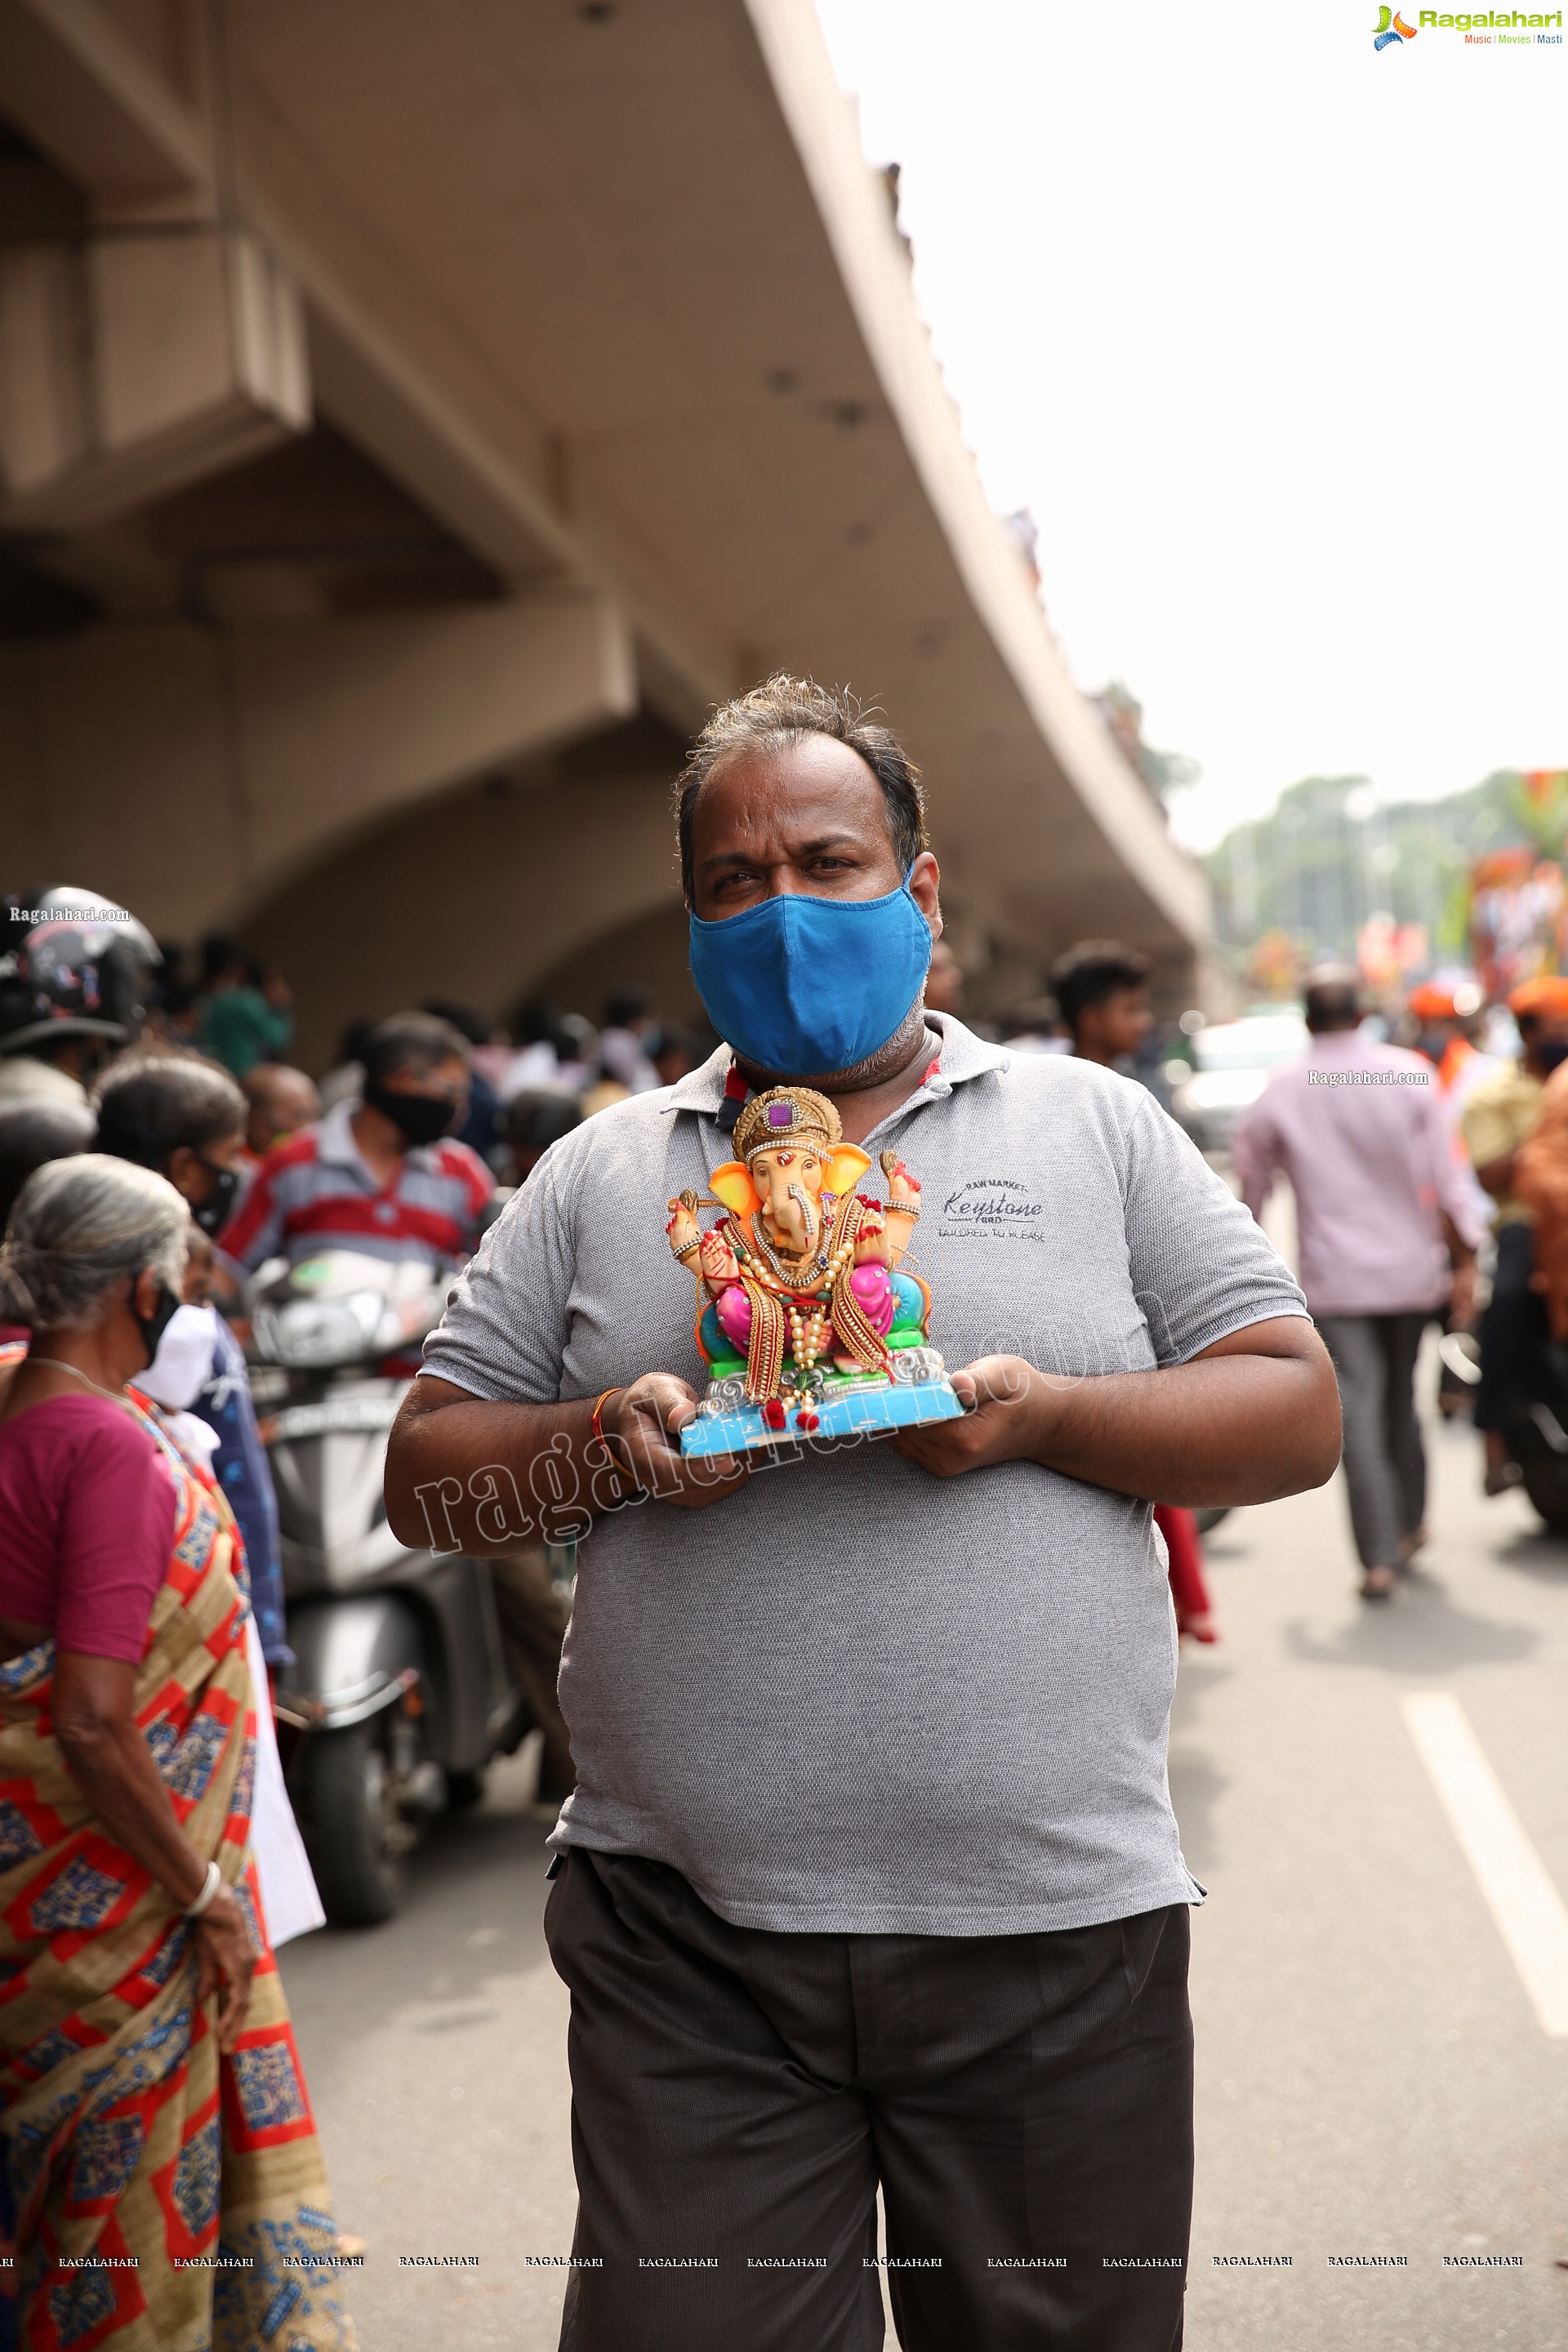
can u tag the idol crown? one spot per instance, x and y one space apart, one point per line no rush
786 1116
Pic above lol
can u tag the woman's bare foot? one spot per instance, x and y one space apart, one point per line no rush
1377 1584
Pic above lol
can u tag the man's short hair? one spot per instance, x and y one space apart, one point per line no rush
783 708
1091 972
1333 998
541 1116
34 1129
411 1041
263 1078
149 1108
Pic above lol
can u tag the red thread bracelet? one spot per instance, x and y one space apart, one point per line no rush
595 1425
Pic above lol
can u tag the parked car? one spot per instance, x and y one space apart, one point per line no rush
1234 1059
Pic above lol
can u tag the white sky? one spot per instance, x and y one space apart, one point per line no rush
1268 330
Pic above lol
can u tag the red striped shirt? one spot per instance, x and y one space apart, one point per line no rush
315 1190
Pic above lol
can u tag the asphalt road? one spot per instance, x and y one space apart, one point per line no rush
1374 2079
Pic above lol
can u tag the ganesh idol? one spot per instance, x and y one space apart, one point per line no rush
803 1304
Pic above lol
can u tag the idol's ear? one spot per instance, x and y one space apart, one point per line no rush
845 1169
734 1186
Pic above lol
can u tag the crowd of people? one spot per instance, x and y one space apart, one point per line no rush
1424 1172
157 1147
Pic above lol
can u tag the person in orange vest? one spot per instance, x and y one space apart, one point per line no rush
1445 1020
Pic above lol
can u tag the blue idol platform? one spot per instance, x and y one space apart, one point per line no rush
728 1422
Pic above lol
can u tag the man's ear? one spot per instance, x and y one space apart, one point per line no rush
184 1171
925 888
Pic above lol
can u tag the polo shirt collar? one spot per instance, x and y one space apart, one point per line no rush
335 1138
963 1055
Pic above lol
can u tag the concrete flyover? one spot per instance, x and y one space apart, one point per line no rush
413 416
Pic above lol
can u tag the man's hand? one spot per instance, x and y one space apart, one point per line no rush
1001 1398
1252 1417
642 1426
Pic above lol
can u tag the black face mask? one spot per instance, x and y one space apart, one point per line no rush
213 1214
421 1118
152 1326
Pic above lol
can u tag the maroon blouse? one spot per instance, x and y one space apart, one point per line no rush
87 1522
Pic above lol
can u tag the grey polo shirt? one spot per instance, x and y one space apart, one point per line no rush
853 1697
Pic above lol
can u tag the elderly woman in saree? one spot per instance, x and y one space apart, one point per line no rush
161 2185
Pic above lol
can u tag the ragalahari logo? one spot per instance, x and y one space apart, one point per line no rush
1392 31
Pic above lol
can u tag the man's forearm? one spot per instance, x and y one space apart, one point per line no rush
1460 1251
1495 1176
1256 1167
484 1478
464 1475
1223 1430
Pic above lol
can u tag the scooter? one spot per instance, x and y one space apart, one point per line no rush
400 1694
1537 1429
1538 1436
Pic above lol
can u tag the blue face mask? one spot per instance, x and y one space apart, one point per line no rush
804 987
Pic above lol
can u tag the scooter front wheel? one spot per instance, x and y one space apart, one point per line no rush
357 1835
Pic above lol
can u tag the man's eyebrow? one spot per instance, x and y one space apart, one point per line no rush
801 849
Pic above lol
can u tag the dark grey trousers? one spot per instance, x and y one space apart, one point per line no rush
737 2097
1385 1464
1513 1331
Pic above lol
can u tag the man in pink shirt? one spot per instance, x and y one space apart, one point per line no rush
1387 1235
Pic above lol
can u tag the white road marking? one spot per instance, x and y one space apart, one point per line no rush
1530 1914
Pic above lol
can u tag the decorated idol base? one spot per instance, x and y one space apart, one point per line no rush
843 1404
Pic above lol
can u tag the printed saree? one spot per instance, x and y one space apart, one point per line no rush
155 2196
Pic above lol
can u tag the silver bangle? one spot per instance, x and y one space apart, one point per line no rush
210 1885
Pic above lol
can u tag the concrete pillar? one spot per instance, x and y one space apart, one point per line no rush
189 773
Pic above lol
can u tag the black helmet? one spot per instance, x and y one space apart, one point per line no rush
72 965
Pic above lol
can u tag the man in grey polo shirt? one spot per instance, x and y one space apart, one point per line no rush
870 1877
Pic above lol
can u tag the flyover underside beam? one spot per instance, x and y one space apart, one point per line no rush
190 774
91 98
389 370
135 365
